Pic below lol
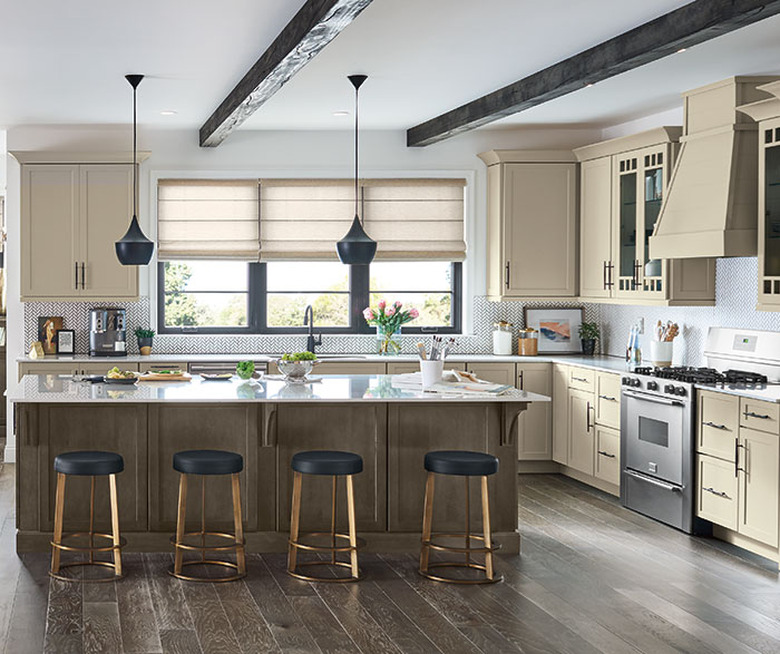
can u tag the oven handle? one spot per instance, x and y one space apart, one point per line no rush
653 398
654 482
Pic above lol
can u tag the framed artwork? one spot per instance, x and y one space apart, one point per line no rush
66 341
48 326
558 329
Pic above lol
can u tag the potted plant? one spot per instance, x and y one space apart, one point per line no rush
388 319
144 337
589 334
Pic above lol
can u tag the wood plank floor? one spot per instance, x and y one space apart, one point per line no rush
593 577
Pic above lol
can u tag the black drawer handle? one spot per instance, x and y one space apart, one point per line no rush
606 454
608 398
579 379
718 493
712 424
753 414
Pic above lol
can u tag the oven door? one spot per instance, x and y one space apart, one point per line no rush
654 431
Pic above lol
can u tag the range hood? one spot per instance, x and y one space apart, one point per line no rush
711 205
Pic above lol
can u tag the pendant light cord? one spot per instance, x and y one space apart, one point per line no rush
135 133
357 90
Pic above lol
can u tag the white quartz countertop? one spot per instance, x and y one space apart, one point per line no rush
765 393
46 389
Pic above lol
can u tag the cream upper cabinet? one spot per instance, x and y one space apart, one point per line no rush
624 182
532 224
71 216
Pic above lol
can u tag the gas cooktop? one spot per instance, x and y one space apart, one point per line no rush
691 375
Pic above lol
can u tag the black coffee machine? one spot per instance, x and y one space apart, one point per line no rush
107 332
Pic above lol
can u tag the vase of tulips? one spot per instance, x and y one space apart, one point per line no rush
388 319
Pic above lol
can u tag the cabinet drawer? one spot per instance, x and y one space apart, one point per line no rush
718 423
716 494
155 367
608 455
762 416
608 399
582 379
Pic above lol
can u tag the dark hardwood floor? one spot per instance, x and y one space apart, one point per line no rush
593 577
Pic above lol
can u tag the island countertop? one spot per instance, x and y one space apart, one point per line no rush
61 389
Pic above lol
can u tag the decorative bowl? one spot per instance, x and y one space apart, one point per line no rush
295 370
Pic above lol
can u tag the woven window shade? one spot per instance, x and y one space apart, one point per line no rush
207 219
410 219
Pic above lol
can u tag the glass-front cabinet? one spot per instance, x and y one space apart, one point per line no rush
641 183
769 226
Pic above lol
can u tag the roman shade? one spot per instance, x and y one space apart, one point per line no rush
207 219
411 219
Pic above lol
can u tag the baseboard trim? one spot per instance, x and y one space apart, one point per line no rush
734 538
590 480
9 454
537 467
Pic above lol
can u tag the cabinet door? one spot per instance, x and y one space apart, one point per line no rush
560 413
652 179
581 432
106 206
759 485
540 237
718 422
349 368
608 399
359 427
498 373
607 454
762 416
626 211
716 491
534 426
595 227
50 231
769 208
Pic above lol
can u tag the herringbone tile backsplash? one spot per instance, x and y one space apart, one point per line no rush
736 302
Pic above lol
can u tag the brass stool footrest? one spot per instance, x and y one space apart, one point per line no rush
460 550
233 544
215 562
87 548
325 548
329 580
454 580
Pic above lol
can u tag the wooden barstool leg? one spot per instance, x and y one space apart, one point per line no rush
239 525
486 529
353 556
115 525
427 522
292 553
59 510
180 519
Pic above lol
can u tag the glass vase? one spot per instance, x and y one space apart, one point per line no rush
388 341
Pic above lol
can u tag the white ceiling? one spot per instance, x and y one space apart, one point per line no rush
64 62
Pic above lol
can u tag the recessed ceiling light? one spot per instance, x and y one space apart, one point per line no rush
681 50
341 113
168 112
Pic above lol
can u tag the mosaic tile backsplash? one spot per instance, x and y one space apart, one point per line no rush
736 301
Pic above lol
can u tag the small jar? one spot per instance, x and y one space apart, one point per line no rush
528 342
502 338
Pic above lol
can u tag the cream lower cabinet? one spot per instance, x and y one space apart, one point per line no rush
71 216
532 224
581 431
534 436
560 413
70 368
738 463
607 462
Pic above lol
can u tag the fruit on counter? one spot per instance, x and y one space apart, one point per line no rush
245 369
116 373
299 356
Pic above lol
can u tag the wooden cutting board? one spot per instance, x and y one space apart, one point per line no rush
153 376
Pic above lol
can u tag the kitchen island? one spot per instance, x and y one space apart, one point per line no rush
266 421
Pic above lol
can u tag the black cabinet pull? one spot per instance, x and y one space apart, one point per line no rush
610 268
753 414
76 271
506 274
712 424
606 454
604 275
718 493
520 381
587 417
83 275
608 398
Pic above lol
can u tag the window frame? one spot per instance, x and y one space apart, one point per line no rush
359 296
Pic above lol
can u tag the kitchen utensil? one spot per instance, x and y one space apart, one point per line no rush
295 370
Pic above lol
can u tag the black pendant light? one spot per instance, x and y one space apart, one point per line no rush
357 247
134 249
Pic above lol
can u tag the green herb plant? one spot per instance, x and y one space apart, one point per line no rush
245 369
141 332
589 331
299 356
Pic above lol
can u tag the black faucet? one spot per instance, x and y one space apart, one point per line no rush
308 319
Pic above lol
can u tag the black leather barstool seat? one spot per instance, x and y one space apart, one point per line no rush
208 462
327 462
89 463
457 462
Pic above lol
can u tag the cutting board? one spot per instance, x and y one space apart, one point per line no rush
153 376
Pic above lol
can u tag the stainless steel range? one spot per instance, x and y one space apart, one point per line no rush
658 422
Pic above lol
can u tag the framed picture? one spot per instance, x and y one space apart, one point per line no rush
48 326
66 341
558 329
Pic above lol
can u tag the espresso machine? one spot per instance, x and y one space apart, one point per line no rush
107 332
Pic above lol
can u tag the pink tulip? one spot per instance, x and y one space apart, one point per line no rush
413 313
368 314
397 305
390 311
382 304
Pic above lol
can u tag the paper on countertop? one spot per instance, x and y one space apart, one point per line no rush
451 382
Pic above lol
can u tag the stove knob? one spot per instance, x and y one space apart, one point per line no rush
625 381
669 388
636 383
680 390
652 386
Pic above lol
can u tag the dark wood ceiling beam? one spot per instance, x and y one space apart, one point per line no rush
315 25
685 27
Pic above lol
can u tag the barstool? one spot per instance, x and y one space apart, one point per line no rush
335 464
205 463
465 464
92 464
